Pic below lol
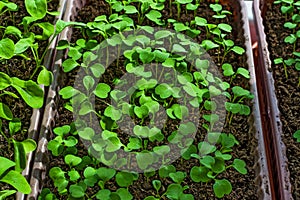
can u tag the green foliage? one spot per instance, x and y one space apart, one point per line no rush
125 179
13 178
287 8
36 8
142 102
297 135
213 162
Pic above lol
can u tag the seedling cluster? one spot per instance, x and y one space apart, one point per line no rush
290 9
22 41
167 75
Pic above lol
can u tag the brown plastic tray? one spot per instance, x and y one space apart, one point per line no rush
35 121
42 159
269 107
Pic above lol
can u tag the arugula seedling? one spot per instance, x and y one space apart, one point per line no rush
7 6
21 149
179 3
175 191
228 46
296 135
31 93
220 13
228 71
155 16
212 162
235 105
47 194
60 181
125 179
13 178
62 142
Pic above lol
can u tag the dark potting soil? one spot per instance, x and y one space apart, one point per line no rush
287 90
21 68
244 186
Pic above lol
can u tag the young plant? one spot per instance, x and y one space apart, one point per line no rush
30 91
21 149
220 13
213 162
296 135
179 3
235 105
62 142
13 178
7 6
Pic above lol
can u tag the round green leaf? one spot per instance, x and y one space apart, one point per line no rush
124 194
5 112
124 179
45 77
240 166
72 160
17 180
30 91
222 187
7 48
106 174
102 90
103 194
76 191
5 81
144 159
36 8
297 135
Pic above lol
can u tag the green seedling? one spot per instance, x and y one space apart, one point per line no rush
220 13
179 3
229 72
181 27
296 135
30 91
175 191
228 46
64 141
125 179
7 6
27 39
212 162
177 111
47 194
22 148
235 105
288 6
59 178
13 178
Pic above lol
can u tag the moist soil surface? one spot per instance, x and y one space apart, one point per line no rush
21 68
287 89
244 186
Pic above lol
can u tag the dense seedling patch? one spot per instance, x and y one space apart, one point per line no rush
21 42
168 79
289 9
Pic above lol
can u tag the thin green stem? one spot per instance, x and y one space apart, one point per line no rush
230 120
45 51
162 72
170 6
285 71
4 12
37 62
178 11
